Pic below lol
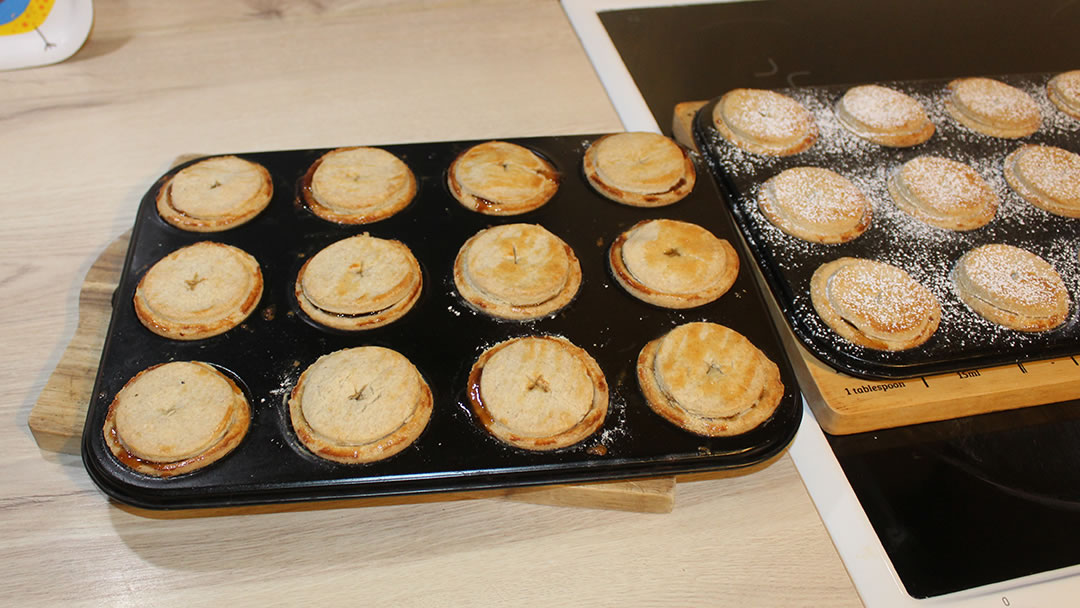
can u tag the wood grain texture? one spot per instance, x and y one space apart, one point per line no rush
844 404
84 139
57 417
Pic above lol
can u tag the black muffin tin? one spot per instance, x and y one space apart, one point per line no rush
963 340
441 335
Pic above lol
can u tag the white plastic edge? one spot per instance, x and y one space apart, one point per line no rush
65 28
865 557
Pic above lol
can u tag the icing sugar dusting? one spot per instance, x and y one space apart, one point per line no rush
926 253
992 100
817 196
766 115
1053 172
946 186
880 299
1012 278
882 108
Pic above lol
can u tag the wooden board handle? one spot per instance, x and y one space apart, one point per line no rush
57 417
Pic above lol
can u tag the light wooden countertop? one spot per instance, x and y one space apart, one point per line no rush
84 139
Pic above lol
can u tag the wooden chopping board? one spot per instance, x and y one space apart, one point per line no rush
57 418
845 404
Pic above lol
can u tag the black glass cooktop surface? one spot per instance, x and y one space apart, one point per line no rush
956 504
686 53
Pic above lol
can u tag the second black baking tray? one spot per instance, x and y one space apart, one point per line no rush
963 340
442 336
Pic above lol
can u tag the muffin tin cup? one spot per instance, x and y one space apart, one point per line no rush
963 340
442 336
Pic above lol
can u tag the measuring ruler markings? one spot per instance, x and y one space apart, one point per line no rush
876 386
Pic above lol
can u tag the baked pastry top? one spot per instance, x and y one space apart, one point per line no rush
673 264
501 178
884 116
943 193
874 304
517 271
815 204
1046 177
176 417
992 107
360 282
764 122
215 194
639 169
198 291
538 392
1011 287
360 405
1064 91
358 185
709 379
